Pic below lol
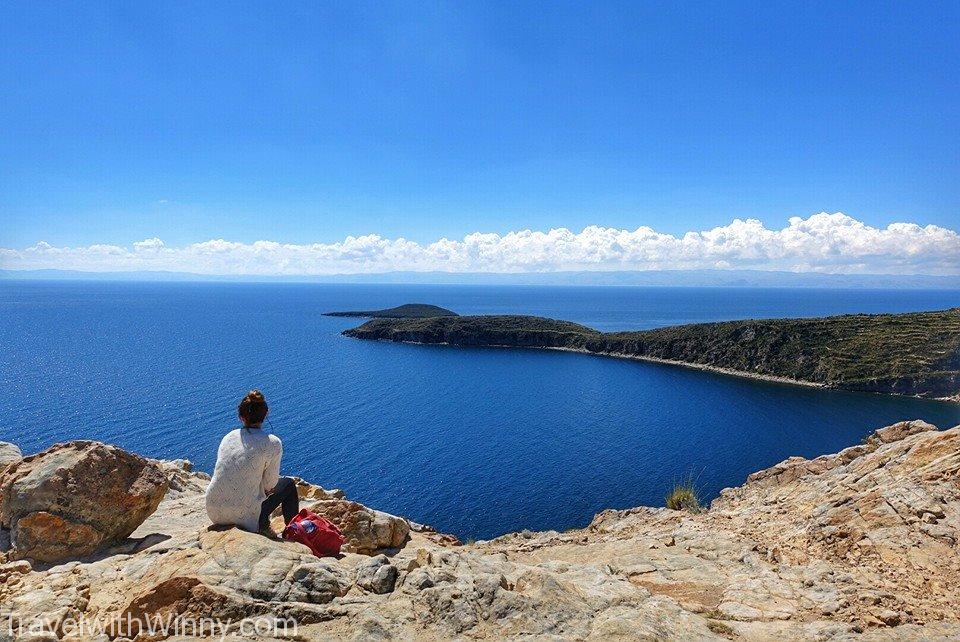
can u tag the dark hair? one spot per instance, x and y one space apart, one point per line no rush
253 408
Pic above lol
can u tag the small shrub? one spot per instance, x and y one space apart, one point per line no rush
684 497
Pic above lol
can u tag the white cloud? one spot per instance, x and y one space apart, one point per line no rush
148 244
822 242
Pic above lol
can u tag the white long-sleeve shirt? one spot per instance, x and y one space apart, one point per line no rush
248 465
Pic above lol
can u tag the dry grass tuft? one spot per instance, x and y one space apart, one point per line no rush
684 497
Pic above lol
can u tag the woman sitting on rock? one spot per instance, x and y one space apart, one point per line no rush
246 485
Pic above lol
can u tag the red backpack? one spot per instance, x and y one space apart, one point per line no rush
316 533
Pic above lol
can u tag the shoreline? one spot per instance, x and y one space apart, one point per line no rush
697 366
683 364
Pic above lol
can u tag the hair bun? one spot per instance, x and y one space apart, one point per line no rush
253 407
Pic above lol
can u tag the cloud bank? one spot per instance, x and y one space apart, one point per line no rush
829 243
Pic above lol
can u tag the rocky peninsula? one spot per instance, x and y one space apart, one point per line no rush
909 354
862 544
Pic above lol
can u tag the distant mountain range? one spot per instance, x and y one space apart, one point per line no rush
692 278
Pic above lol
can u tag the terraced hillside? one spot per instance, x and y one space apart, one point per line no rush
912 354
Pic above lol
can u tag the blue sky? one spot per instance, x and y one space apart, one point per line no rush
198 121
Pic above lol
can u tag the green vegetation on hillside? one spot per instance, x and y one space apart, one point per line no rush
914 353
406 311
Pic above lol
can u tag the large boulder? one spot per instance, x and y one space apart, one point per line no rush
367 531
376 574
76 497
9 454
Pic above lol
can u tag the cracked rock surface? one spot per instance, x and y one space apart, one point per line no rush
862 544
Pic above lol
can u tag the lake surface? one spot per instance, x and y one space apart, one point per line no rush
477 442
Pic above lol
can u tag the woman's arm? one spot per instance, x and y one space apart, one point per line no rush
271 472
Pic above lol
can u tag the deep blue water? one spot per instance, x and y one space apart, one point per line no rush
474 441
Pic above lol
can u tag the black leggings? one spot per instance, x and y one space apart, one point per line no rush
284 494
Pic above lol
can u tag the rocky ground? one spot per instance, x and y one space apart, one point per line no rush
861 544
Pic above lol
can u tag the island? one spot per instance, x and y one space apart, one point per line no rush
915 353
406 311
